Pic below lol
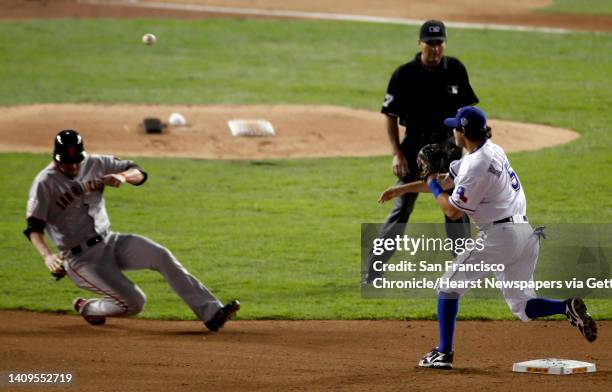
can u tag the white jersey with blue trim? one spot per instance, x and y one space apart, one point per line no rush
486 187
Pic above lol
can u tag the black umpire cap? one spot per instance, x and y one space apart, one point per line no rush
433 30
69 147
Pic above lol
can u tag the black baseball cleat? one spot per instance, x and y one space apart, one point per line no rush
222 315
79 305
576 313
437 360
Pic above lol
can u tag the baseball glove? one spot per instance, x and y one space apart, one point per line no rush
59 274
431 159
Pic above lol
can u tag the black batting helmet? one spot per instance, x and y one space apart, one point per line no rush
68 147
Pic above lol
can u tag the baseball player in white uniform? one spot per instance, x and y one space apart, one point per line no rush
490 192
66 202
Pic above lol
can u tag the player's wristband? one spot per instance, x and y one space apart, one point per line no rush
122 175
435 187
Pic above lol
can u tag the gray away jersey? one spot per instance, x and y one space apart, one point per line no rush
71 213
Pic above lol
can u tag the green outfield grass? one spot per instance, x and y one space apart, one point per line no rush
283 235
593 7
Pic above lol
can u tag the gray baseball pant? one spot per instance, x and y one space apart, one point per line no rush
99 269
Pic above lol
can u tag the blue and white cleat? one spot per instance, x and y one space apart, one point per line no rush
576 313
437 360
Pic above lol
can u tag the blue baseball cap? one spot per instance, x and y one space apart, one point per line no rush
468 117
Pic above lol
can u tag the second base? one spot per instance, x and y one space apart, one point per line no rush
554 366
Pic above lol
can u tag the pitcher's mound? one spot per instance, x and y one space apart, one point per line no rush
301 131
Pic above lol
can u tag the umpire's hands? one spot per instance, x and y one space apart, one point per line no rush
399 165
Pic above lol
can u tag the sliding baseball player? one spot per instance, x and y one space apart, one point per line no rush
66 203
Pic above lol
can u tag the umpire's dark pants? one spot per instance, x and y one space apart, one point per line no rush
398 218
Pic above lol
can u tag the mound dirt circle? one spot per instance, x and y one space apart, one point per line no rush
301 131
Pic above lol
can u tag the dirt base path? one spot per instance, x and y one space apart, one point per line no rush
517 12
301 131
136 355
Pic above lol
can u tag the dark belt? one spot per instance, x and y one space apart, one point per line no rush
508 219
90 242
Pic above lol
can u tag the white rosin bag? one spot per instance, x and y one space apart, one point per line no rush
240 127
177 120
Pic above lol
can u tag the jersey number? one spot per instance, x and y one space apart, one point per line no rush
388 100
514 181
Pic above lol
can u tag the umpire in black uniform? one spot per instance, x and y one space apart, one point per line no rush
420 95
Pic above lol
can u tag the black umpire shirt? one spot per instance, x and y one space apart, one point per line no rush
422 98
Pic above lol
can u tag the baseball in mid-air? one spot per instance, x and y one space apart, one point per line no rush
149 39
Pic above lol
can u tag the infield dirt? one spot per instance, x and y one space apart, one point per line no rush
150 355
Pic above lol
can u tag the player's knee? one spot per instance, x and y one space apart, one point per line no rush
136 303
448 295
167 256
166 260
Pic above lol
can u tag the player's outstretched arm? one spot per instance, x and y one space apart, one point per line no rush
448 209
398 190
445 181
132 176
442 198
